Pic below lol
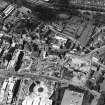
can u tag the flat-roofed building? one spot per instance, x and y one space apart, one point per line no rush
72 98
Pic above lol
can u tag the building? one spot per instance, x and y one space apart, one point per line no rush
72 98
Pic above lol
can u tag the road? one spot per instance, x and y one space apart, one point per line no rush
5 73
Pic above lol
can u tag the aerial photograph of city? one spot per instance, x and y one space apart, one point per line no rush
52 52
